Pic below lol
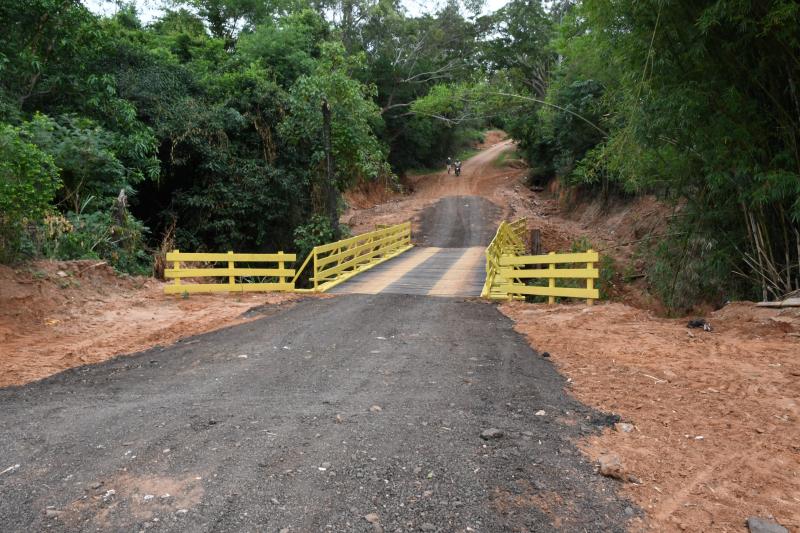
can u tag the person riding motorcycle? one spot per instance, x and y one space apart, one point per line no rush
457 167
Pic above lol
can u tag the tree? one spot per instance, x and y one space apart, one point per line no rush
700 106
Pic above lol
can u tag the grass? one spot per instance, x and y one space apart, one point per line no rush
466 153
505 156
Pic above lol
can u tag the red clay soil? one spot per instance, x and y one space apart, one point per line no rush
716 414
57 315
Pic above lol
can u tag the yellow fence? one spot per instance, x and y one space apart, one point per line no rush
339 261
332 264
507 270
516 269
280 277
509 240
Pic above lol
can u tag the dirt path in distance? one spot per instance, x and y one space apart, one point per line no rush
480 176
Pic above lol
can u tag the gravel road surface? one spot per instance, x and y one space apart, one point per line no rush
310 419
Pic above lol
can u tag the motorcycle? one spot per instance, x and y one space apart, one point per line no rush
458 169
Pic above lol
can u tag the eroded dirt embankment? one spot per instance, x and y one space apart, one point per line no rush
56 315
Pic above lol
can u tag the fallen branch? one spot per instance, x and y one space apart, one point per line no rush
101 263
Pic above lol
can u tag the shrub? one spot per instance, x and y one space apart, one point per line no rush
28 183
307 236
115 238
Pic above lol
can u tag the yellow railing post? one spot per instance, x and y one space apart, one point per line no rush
231 279
589 281
177 266
551 282
281 279
316 281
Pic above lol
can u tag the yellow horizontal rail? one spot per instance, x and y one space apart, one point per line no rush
237 257
545 273
226 272
567 292
559 258
224 287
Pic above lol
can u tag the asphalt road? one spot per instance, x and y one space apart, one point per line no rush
354 413
449 259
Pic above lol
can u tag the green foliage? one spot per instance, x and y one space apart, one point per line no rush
696 104
690 270
288 48
317 231
95 235
210 116
28 183
86 155
358 153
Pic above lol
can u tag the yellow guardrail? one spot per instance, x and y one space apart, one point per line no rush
517 268
279 272
507 269
509 239
339 261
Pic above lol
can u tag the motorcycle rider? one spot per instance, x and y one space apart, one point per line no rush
457 167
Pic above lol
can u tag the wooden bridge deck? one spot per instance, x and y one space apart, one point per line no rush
429 271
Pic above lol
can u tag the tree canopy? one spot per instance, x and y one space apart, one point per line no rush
209 120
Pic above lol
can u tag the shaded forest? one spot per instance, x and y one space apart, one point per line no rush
204 129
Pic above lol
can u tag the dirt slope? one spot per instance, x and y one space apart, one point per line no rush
57 315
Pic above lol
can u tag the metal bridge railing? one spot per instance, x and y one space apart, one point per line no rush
339 261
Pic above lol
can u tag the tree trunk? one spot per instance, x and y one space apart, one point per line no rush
332 192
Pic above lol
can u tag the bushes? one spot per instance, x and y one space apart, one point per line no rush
307 236
30 225
28 183
117 238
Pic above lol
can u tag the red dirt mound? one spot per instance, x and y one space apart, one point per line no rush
57 315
